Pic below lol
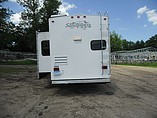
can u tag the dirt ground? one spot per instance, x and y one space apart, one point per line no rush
132 93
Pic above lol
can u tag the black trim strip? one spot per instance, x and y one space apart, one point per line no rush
62 57
61 62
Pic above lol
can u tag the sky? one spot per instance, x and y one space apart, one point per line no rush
132 19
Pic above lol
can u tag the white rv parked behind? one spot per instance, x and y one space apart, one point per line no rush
75 50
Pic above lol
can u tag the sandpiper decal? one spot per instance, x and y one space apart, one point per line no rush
79 25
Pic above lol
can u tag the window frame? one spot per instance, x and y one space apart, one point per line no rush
100 46
45 48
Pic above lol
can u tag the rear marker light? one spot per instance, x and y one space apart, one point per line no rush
56 71
56 68
104 18
104 67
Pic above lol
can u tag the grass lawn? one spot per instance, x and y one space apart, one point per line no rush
145 64
19 62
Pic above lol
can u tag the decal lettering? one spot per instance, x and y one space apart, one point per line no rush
79 24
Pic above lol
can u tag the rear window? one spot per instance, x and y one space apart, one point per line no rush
98 45
45 48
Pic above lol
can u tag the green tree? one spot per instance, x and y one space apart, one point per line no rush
142 44
30 16
4 15
30 21
6 27
116 42
137 45
125 44
131 45
50 7
35 18
21 40
152 42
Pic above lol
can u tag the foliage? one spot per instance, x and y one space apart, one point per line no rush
145 64
30 16
6 27
20 62
35 18
152 41
116 42
4 13
49 8
119 44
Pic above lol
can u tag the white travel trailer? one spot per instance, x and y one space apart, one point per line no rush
75 50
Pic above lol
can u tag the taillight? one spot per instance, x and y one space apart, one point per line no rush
56 71
104 67
56 68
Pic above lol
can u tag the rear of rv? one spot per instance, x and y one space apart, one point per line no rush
79 49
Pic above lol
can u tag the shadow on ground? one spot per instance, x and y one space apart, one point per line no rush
84 89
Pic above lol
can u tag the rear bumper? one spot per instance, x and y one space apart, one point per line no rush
74 81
